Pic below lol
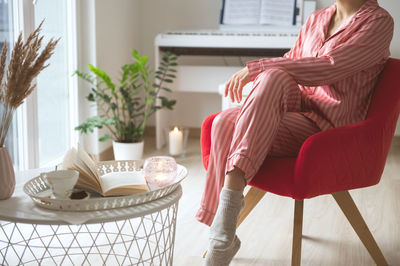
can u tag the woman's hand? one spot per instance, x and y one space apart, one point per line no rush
235 85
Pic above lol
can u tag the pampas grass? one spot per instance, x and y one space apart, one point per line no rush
25 64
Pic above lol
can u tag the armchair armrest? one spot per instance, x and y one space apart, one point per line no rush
342 158
205 138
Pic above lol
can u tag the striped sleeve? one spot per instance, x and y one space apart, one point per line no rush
363 49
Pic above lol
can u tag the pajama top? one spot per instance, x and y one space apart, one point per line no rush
336 75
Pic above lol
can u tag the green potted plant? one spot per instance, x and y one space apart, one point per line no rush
124 109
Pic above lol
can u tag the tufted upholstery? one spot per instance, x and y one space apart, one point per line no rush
338 159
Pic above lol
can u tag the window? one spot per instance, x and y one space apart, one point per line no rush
6 36
54 84
42 130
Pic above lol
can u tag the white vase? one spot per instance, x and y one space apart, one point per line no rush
128 151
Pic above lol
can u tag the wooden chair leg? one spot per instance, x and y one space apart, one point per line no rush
253 196
353 215
297 232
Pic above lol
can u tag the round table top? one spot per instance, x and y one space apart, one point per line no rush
20 208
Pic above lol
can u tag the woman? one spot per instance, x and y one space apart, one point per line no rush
324 81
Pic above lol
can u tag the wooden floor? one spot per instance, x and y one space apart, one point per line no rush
266 234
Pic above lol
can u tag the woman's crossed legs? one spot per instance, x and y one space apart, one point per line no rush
269 123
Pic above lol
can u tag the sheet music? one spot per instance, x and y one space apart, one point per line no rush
241 12
299 12
279 12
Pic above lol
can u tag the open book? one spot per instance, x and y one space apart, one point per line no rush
111 184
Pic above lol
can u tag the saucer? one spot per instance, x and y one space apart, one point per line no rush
49 194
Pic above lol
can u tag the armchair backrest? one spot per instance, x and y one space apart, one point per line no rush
354 154
385 103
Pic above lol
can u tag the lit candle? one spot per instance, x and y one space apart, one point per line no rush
161 178
175 141
160 171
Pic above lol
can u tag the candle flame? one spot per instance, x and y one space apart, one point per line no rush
161 177
176 130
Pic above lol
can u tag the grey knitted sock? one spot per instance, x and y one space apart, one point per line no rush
223 242
222 257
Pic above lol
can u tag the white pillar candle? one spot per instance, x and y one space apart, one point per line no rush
175 141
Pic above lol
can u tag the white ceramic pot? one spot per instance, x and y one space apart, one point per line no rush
128 151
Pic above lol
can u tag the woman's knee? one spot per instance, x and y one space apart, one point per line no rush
273 83
274 74
225 120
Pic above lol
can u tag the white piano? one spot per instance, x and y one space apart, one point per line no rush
240 42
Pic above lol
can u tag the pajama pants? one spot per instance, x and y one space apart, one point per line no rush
270 122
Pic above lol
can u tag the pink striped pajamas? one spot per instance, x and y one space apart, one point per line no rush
319 84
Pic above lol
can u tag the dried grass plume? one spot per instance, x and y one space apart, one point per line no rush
25 64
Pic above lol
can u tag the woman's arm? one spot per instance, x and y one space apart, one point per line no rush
364 49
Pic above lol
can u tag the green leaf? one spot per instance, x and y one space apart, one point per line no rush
167 103
90 124
84 76
91 97
105 138
166 89
106 98
103 75
109 121
171 104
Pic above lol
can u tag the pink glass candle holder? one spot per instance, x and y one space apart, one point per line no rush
160 171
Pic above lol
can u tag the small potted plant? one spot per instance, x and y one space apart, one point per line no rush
124 109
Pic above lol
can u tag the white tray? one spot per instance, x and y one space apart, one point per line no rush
38 186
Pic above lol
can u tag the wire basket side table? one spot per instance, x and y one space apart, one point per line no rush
139 235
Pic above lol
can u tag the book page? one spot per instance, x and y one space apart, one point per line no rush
83 184
91 165
73 160
277 12
241 12
123 183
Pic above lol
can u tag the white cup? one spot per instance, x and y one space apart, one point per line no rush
62 182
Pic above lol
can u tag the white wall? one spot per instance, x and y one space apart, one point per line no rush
117 33
158 16
108 31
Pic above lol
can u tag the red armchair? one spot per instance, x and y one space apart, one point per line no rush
331 162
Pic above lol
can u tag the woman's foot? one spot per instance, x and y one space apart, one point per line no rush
222 256
223 240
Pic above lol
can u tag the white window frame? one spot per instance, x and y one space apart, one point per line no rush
27 120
